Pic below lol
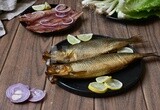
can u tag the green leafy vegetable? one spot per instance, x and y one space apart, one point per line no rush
141 8
129 9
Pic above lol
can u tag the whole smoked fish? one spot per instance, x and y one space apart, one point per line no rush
93 67
89 49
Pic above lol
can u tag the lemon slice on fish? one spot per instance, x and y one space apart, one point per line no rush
72 39
47 6
39 7
103 79
85 37
125 50
97 87
113 84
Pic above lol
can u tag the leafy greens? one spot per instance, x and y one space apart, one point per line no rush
125 9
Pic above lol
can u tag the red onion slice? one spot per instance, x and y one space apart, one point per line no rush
62 10
60 7
48 24
36 95
18 93
60 15
68 21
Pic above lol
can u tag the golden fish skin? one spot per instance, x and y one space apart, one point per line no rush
96 66
89 49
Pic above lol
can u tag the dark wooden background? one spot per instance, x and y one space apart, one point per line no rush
21 61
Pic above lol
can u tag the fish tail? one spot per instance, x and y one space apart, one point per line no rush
135 39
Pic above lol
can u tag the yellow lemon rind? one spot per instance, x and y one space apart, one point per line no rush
38 7
85 37
47 6
72 39
107 84
103 79
96 90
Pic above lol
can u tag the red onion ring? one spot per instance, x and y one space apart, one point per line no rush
60 7
44 23
18 93
60 15
70 22
36 95
62 10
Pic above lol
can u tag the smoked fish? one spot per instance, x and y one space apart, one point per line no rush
95 66
89 49
59 18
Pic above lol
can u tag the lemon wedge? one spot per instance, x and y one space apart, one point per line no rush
97 87
38 7
125 50
72 39
85 37
47 6
103 79
113 84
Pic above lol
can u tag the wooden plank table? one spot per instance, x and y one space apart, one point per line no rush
21 61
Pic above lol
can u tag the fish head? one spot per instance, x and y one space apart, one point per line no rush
58 70
54 71
46 55
60 56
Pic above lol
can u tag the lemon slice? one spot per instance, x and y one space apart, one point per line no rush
97 87
103 79
72 39
125 50
113 84
85 37
39 7
47 6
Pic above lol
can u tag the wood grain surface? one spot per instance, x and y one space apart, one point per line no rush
21 61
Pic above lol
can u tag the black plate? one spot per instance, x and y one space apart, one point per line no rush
128 76
141 21
30 10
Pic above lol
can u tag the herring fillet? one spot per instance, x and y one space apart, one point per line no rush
32 17
89 49
94 67
37 27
